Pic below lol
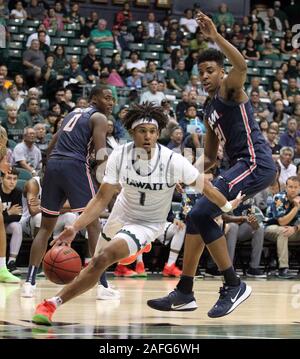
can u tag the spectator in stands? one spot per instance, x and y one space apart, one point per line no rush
245 27
74 15
4 11
26 154
11 198
35 10
174 26
101 36
42 140
68 99
60 9
90 57
20 83
43 46
117 64
191 123
119 129
171 42
286 45
176 140
120 42
276 87
250 52
244 225
152 73
182 105
199 44
86 29
288 138
139 34
282 227
93 75
61 100
281 15
134 80
296 113
223 16
13 125
168 110
112 140
263 126
256 35
33 61
152 29
4 73
272 139
53 21
170 63
255 86
125 34
296 159
178 78
292 70
13 98
279 115
74 74
152 94
32 115
292 89
135 62
287 168
18 12
82 102
34 36
279 76
52 79
50 121
260 109
123 15
187 22
270 52
272 23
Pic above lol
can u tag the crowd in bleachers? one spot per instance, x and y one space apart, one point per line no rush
54 55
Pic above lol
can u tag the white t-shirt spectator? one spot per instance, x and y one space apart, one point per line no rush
32 155
191 24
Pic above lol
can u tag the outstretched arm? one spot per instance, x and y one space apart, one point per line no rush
237 75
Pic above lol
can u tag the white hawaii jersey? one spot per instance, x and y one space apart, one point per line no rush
147 185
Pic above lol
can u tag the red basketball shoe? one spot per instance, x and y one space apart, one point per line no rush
43 313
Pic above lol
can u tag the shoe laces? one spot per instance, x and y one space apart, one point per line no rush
223 291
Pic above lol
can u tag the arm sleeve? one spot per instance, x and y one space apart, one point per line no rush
18 154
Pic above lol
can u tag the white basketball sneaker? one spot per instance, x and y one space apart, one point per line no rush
28 290
107 293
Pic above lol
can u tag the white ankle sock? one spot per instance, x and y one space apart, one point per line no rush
57 301
2 262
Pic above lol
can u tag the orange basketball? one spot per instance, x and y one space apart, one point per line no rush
61 264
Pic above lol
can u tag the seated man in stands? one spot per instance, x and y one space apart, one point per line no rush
283 225
11 198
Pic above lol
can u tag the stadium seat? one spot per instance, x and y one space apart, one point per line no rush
135 46
150 55
51 32
74 50
18 37
269 72
66 33
13 29
107 52
15 45
15 53
254 71
24 174
27 30
155 48
12 144
264 63
31 23
15 22
79 42
59 41
21 184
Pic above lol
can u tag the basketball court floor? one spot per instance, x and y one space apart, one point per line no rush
272 311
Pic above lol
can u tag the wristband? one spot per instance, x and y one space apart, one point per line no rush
227 207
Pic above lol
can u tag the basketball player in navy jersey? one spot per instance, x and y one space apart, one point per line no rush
67 175
229 120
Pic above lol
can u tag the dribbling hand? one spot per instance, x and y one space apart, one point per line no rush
65 237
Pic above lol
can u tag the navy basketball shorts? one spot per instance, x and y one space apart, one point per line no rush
66 179
242 177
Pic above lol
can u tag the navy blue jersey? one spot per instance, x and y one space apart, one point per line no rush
75 136
237 130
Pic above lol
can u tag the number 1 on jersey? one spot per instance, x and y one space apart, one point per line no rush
142 198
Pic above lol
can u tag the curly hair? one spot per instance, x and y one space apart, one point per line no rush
146 110
211 55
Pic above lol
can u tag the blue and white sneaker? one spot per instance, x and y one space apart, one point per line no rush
174 301
230 298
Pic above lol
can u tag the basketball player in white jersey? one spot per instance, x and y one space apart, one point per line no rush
148 173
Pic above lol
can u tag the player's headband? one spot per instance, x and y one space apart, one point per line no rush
142 121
